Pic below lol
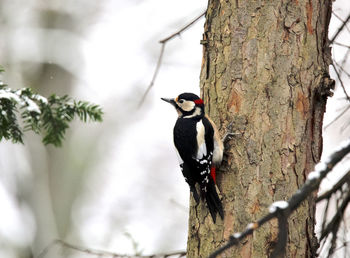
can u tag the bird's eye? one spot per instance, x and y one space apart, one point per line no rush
181 101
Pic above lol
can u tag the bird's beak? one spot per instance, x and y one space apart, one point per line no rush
171 101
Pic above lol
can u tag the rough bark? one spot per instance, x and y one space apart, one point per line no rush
265 68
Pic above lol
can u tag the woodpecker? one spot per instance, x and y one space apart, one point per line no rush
199 149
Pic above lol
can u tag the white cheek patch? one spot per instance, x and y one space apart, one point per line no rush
187 105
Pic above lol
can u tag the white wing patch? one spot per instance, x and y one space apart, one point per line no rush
202 147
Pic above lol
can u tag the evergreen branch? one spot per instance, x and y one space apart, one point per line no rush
49 117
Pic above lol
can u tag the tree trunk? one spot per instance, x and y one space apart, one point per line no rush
265 68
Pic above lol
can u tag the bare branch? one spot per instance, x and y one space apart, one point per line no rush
280 250
345 244
335 188
345 59
325 216
340 19
329 234
340 29
159 62
102 253
336 218
288 207
341 66
341 44
334 64
337 117
182 29
341 82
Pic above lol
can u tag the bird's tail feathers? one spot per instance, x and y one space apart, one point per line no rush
195 194
213 201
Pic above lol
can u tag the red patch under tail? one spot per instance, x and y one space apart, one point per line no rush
213 174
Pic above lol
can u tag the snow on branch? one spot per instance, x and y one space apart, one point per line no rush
283 209
47 116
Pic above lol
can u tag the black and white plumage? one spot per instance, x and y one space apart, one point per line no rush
199 148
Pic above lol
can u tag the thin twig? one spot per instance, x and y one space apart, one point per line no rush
341 82
102 253
343 61
334 64
335 188
159 62
323 248
341 67
312 183
333 227
341 44
345 244
340 19
279 251
337 117
336 218
340 29
182 29
324 221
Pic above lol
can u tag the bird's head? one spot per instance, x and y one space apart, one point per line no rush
187 105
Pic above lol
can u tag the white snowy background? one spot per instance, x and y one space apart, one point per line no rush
114 186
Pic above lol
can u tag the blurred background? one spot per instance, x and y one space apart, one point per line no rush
114 186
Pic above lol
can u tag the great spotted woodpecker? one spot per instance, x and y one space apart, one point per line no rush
199 148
